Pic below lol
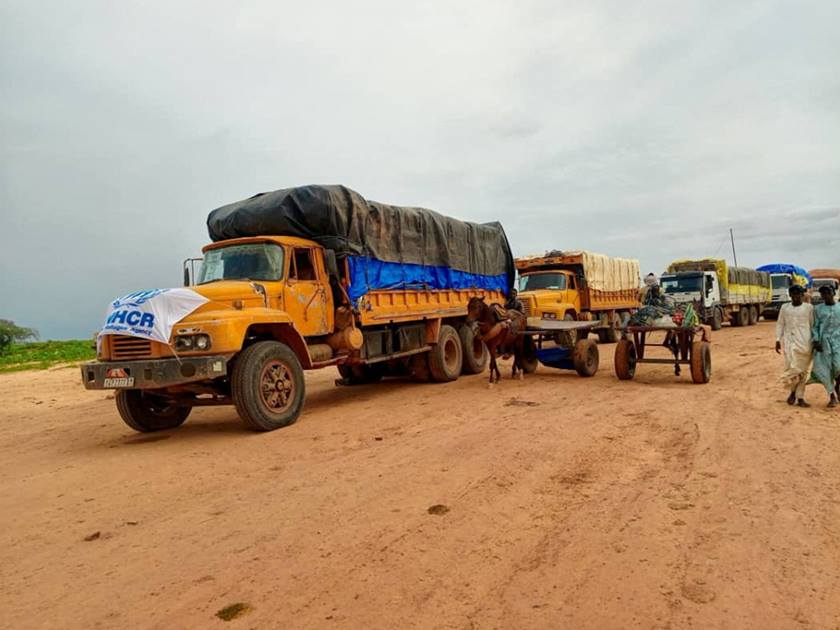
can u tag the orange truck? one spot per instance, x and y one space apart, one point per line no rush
580 286
301 279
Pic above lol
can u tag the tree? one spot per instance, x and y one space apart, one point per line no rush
11 333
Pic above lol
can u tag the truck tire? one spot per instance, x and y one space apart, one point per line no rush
611 334
625 360
753 315
145 412
568 338
475 352
268 386
701 362
446 357
741 317
529 361
717 318
586 357
362 374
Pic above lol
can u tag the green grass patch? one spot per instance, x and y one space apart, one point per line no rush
43 354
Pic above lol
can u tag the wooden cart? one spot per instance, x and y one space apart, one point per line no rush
565 350
688 346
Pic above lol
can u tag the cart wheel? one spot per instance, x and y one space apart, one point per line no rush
625 360
585 357
701 362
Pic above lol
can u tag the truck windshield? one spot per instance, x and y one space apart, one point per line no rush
780 282
682 284
827 282
536 281
253 261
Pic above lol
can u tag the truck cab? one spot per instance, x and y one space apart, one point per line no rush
815 296
780 283
551 294
701 287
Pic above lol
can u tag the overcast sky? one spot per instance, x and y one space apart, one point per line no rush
637 129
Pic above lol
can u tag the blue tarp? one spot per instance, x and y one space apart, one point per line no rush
367 274
786 268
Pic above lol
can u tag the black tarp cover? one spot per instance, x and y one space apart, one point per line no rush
340 219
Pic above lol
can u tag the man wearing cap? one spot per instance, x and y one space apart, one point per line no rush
826 338
793 332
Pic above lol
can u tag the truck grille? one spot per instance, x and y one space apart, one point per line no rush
124 347
526 306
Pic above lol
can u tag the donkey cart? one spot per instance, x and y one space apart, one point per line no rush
569 351
689 346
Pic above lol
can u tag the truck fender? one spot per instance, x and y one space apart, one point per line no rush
284 333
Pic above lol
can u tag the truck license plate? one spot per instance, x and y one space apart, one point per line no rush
126 381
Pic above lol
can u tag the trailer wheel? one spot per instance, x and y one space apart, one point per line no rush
717 318
475 352
446 357
625 360
586 357
701 362
145 412
362 374
267 385
753 315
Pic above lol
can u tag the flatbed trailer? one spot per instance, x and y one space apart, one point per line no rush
577 353
688 346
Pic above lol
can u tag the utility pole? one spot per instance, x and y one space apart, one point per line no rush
732 238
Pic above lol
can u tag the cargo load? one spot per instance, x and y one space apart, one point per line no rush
385 246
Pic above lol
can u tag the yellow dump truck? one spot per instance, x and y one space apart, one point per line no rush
300 279
720 292
580 286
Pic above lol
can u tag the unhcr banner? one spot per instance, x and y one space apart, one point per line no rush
150 314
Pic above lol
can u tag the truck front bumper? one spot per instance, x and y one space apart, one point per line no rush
152 373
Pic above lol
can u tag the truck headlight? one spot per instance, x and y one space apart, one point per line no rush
186 343
549 315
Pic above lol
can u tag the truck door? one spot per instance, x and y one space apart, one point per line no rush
306 292
711 293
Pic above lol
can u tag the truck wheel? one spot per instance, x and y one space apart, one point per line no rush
446 356
529 360
586 357
741 318
362 374
268 386
567 338
625 360
753 315
145 412
611 334
475 352
717 319
701 362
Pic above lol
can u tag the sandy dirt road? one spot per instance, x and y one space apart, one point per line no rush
572 503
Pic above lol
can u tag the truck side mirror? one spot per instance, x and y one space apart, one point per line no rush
330 262
186 276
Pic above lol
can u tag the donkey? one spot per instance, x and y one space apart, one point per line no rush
498 330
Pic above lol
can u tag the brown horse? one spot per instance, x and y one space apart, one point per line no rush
498 330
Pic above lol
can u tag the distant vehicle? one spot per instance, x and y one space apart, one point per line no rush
720 292
782 276
300 279
823 278
580 286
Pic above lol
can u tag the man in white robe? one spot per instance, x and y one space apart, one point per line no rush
793 332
